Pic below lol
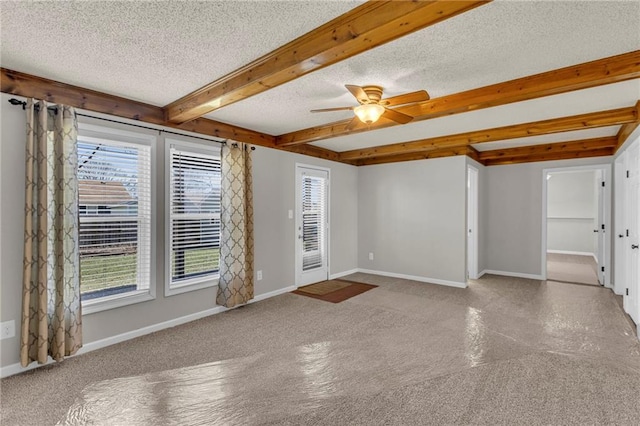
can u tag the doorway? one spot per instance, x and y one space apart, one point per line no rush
312 225
576 206
472 223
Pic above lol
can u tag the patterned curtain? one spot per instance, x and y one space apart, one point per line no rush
236 221
51 322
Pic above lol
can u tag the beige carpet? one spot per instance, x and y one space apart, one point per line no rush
572 268
503 351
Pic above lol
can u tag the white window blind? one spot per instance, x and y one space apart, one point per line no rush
313 220
115 217
194 221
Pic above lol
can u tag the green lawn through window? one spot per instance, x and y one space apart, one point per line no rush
104 272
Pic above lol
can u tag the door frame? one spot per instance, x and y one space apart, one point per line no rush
298 254
472 222
606 173
620 211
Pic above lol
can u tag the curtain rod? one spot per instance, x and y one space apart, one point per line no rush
15 102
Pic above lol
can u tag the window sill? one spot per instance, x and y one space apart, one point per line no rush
172 290
116 301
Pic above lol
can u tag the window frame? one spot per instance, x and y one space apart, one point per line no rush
187 144
118 136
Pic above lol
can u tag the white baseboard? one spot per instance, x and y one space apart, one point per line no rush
575 253
415 278
480 274
12 369
343 274
273 293
512 274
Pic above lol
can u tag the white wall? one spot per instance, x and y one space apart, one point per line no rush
412 217
513 214
274 180
572 212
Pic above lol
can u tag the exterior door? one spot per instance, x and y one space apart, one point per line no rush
312 223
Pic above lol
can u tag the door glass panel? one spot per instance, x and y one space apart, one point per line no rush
313 220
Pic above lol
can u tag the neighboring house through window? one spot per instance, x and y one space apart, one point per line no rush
114 173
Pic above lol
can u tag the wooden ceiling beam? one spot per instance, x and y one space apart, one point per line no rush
609 70
29 86
556 125
549 148
365 27
626 130
439 153
602 152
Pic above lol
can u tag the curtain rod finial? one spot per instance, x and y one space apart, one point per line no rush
14 101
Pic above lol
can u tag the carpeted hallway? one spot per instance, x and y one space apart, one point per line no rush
503 351
571 268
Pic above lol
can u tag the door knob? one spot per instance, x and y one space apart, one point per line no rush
634 246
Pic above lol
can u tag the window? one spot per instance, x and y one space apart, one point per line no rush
114 186
193 216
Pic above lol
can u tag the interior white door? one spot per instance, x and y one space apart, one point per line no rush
632 299
472 223
312 224
620 237
600 227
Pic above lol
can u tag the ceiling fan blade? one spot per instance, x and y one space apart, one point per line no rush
407 98
332 109
358 92
354 124
396 116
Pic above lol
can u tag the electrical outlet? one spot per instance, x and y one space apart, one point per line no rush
370 256
7 329
290 214
259 274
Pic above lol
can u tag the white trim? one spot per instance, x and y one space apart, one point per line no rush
472 199
298 255
190 145
106 303
119 137
481 274
574 253
415 278
343 274
512 274
16 368
273 293
607 177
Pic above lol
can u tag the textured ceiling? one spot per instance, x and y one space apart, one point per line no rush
157 52
490 44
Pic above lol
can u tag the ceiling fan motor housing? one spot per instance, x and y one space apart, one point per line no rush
374 93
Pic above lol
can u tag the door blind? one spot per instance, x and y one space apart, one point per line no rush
313 222
194 215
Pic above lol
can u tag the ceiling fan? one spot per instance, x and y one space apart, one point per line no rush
372 106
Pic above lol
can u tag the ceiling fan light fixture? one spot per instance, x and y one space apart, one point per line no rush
369 113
